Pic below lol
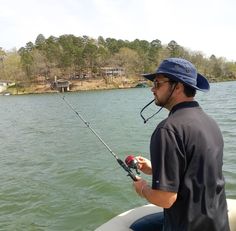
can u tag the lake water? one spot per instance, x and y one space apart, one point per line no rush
56 175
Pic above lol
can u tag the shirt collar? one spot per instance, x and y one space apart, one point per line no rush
187 104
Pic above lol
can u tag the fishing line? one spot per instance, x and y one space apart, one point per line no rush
121 163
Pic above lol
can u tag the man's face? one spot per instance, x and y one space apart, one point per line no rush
161 90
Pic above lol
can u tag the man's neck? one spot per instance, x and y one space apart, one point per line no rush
179 100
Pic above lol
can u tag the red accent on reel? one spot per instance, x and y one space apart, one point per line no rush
129 160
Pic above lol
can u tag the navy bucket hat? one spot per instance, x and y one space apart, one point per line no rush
183 71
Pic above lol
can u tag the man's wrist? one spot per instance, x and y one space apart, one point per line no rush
142 190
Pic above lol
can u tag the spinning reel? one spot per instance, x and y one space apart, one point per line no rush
132 162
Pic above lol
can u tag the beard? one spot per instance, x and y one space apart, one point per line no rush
164 101
160 103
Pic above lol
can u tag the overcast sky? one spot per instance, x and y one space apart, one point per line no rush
208 26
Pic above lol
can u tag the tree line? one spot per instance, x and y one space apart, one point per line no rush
69 56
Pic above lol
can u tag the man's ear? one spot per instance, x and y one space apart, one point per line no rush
179 88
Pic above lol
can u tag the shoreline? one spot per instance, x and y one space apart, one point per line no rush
77 85
108 83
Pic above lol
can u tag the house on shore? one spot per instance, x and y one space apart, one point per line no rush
61 85
112 71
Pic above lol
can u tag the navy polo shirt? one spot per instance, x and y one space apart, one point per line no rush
187 157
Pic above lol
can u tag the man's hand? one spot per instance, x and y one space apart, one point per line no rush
144 165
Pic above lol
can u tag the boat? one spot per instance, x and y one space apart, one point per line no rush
142 85
123 221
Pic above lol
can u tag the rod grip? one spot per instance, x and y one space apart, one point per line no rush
124 166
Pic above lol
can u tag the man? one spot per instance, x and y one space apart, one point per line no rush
186 152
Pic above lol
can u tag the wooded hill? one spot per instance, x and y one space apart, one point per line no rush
69 57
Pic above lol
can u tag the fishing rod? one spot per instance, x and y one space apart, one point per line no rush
131 162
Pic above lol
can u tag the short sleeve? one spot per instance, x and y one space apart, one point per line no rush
168 159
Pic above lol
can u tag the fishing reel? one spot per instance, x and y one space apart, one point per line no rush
132 162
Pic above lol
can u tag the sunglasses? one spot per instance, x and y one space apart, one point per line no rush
157 84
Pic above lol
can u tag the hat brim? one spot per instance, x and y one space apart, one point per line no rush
202 82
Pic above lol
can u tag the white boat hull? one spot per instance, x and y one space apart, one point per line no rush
123 221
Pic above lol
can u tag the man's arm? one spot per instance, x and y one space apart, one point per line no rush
160 198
